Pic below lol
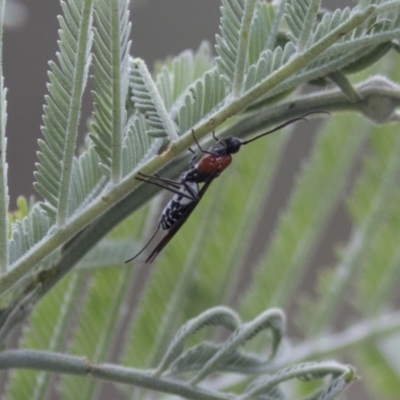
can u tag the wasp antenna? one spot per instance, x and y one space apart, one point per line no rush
145 246
291 121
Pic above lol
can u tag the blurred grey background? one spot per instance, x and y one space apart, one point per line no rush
159 28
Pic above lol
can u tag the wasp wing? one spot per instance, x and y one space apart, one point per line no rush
178 224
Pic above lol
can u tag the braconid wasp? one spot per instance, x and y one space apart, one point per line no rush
187 192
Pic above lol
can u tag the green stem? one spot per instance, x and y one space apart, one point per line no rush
362 43
73 365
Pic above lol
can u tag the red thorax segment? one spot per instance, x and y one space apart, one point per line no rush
211 164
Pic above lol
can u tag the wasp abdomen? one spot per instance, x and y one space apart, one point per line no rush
175 208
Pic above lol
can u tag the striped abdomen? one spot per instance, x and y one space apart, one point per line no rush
174 210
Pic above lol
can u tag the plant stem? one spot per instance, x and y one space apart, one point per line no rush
73 365
67 364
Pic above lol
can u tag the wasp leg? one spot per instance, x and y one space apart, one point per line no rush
198 145
171 189
167 181
193 159
217 140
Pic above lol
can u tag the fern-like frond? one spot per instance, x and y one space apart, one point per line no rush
87 179
87 182
218 316
369 29
238 361
336 376
340 377
203 96
228 43
111 80
232 46
172 84
61 114
356 49
138 146
147 100
268 62
261 29
300 19
29 231
272 319
178 74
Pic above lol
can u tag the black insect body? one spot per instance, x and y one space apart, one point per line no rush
178 209
173 211
187 192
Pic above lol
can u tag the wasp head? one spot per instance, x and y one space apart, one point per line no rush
232 144
229 145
